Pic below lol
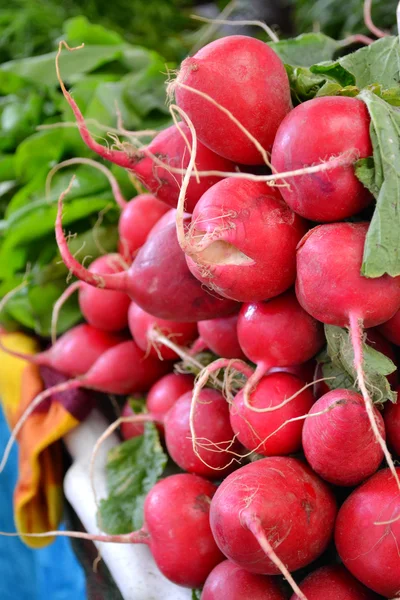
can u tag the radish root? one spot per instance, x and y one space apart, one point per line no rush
58 305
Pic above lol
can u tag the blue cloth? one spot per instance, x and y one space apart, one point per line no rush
51 573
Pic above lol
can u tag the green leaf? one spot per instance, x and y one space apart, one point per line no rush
306 49
338 362
196 594
133 468
382 248
80 31
42 149
365 171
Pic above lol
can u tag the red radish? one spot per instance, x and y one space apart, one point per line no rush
273 515
168 218
245 77
123 369
333 583
312 133
339 443
75 352
219 336
214 441
277 333
230 582
304 371
158 280
329 287
391 329
223 254
367 534
130 430
160 165
175 509
166 391
391 417
266 432
142 325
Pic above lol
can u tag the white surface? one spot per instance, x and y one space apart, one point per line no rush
132 566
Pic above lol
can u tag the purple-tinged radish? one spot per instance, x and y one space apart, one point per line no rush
219 336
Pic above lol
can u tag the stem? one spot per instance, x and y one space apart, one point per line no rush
71 289
261 24
198 345
369 22
136 537
55 389
254 525
251 383
357 38
356 331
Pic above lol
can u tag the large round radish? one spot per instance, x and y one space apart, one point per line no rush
214 435
277 500
333 583
142 325
159 280
244 241
367 534
266 432
219 336
247 78
227 581
314 132
339 444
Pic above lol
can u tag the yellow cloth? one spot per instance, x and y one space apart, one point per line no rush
38 495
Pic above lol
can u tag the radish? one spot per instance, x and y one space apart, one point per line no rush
129 429
211 451
123 369
142 326
312 133
340 445
158 280
230 582
277 333
160 165
242 76
391 417
223 254
329 287
219 336
333 583
166 391
273 515
175 508
391 329
367 534
267 433
304 371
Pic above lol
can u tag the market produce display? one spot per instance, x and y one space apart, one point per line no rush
247 318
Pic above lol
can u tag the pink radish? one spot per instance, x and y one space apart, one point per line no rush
243 76
158 280
330 287
333 583
160 165
277 333
266 432
214 443
314 132
129 429
142 325
230 582
223 254
340 445
273 515
367 534
391 329
184 558
219 336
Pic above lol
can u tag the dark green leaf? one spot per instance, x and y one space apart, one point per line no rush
306 49
196 594
42 149
80 31
133 468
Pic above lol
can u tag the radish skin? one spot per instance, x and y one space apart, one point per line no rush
334 583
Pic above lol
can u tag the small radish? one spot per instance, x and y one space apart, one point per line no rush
219 336
166 391
214 439
244 76
142 325
313 132
339 443
277 333
273 515
242 241
133 406
158 280
391 417
367 534
329 287
160 165
230 582
176 529
266 432
333 583
391 329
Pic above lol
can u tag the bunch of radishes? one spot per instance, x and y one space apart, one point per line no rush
252 271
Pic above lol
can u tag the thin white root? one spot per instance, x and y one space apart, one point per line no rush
58 305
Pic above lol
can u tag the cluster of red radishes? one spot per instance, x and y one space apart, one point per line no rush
221 277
